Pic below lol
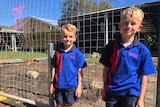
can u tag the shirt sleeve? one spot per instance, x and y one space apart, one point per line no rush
53 61
81 61
106 54
146 65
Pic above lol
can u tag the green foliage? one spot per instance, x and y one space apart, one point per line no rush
104 5
69 8
78 7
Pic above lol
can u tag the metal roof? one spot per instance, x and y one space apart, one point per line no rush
49 21
10 31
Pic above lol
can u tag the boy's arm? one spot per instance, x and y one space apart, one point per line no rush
53 73
52 78
105 73
143 84
79 87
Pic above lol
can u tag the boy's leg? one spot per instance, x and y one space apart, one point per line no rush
68 105
60 105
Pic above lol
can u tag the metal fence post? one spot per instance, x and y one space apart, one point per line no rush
50 56
158 75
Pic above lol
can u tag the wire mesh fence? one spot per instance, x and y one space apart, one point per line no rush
28 26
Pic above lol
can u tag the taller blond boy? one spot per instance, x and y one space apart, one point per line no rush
127 63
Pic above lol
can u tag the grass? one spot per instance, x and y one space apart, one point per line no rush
92 59
155 59
27 55
22 55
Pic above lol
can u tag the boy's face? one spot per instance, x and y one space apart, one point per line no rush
68 38
130 25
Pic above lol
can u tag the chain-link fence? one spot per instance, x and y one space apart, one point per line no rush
30 29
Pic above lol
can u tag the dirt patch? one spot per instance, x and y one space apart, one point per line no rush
14 80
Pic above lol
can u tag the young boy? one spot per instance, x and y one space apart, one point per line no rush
127 62
68 62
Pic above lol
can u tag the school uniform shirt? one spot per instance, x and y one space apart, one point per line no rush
126 64
67 65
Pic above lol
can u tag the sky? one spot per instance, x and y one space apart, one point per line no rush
10 10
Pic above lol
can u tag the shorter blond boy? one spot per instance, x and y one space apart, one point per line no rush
68 62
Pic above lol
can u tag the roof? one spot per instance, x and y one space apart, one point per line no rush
49 21
11 31
8 29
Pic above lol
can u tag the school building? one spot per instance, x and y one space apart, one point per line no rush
98 28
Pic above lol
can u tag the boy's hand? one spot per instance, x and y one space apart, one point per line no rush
78 92
140 103
52 89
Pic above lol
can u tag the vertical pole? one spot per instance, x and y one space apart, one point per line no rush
50 56
15 46
158 75
13 42
106 42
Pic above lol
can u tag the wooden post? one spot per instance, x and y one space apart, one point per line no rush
50 56
158 75
32 102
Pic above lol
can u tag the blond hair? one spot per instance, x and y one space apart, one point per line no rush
133 11
69 27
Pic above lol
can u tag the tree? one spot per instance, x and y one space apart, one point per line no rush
104 5
69 8
78 7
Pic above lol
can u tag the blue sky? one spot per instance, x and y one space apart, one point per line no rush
45 8
122 3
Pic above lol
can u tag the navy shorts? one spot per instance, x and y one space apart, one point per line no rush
121 101
65 96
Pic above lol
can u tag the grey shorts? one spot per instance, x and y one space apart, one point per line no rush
120 101
65 96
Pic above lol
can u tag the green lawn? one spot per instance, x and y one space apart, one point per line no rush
22 55
92 59
27 55
155 59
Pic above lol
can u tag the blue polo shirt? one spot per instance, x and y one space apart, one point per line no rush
126 64
67 65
